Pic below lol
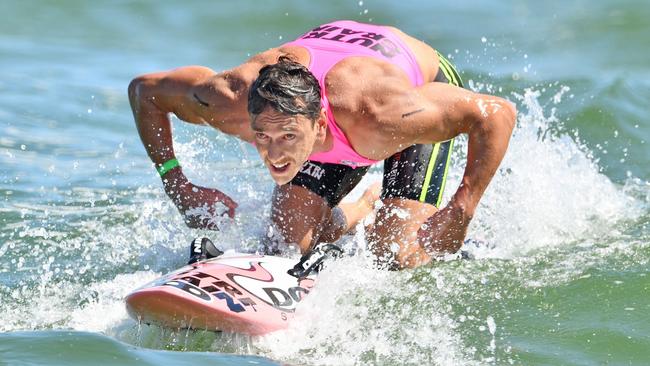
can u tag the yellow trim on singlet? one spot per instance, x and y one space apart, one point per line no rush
444 176
448 74
449 70
430 169
443 65
454 79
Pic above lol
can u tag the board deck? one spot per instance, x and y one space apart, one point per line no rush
241 293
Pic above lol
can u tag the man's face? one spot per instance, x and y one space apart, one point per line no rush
284 141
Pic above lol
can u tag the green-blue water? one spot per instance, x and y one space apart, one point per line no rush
83 219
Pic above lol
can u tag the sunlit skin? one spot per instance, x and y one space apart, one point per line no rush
379 111
285 142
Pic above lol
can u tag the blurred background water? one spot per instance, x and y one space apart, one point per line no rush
84 220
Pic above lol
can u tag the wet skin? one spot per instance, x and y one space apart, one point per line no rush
379 118
285 142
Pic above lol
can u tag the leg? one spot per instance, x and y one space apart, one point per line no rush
305 219
394 238
305 210
346 216
299 214
414 181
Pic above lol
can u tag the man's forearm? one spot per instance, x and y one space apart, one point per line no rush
487 145
445 231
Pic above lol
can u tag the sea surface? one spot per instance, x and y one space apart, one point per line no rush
560 274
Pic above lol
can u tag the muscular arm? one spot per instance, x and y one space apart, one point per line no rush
187 93
437 112
191 93
154 96
487 120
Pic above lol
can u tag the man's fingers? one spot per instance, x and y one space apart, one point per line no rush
232 204
229 203
231 213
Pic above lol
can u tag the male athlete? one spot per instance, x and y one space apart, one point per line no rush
321 110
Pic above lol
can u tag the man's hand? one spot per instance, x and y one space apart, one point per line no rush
187 196
444 232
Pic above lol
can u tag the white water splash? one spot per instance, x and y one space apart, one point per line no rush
104 306
548 191
357 315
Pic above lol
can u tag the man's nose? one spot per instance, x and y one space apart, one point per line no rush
275 152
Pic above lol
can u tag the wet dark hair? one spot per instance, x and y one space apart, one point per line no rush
288 87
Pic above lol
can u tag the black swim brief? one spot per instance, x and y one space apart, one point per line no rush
418 172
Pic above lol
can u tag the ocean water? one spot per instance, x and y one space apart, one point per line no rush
561 275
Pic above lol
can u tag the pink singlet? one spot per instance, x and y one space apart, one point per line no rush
333 42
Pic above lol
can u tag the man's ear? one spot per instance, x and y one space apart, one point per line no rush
321 125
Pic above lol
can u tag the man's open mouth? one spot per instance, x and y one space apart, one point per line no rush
279 168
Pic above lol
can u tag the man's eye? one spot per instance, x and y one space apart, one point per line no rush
260 136
289 136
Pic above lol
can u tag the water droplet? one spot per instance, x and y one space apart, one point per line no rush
492 326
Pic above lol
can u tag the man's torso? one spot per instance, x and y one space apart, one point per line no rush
349 84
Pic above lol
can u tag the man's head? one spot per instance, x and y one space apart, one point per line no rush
286 116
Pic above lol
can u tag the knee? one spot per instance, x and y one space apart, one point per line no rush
411 257
287 233
399 256
299 215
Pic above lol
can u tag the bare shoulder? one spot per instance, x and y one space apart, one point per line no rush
376 105
223 96
233 85
249 70
425 54
356 83
358 89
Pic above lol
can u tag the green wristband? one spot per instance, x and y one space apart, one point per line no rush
167 166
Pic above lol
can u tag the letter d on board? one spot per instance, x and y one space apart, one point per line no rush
272 291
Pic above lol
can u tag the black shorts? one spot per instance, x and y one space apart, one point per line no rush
418 172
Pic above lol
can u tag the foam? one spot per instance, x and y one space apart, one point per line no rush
104 308
548 196
357 315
